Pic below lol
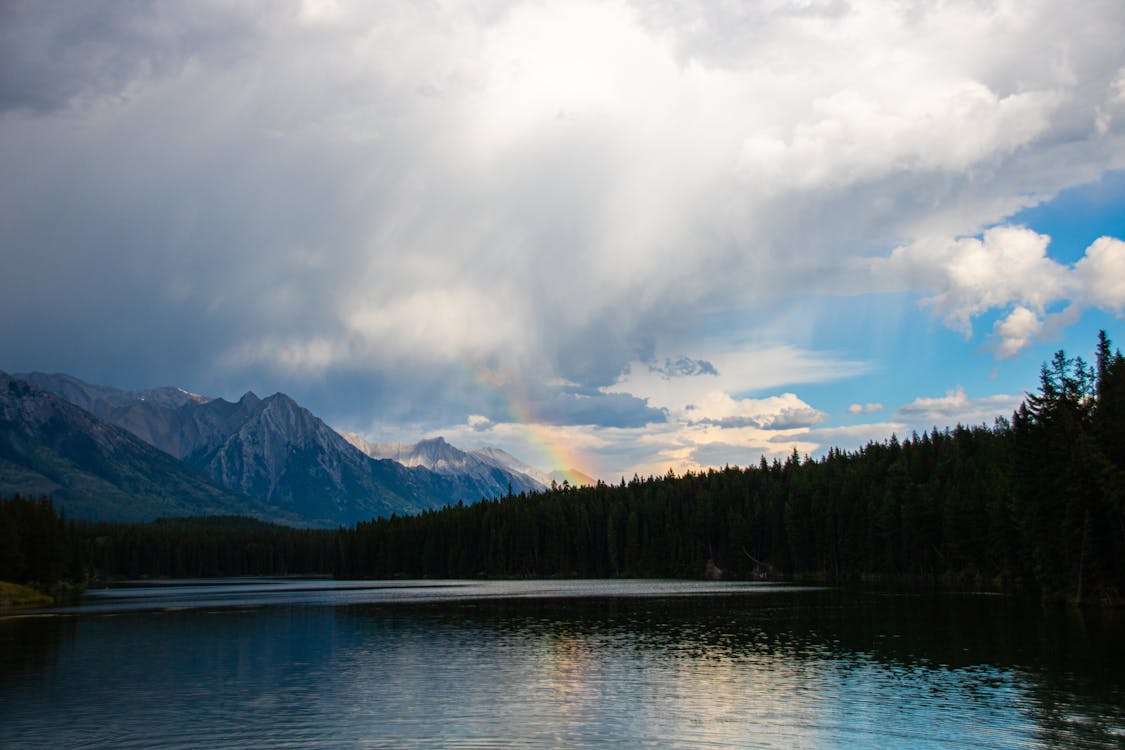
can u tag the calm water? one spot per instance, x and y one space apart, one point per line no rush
324 664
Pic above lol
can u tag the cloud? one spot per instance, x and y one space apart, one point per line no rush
783 412
1008 268
442 218
968 276
853 437
1101 274
698 448
60 57
575 407
739 370
1016 332
726 454
683 366
956 408
869 408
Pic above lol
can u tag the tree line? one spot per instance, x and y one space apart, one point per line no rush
1031 504
38 546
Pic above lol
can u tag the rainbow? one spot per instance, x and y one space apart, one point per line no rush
562 457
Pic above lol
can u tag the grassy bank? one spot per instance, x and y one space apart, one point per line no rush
15 596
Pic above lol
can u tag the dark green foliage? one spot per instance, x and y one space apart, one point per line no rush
922 509
37 546
205 547
1068 476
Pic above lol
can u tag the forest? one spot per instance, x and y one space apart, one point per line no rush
1034 504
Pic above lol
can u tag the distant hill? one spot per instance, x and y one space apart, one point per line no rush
477 472
95 470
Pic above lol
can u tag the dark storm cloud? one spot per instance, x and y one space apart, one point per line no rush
52 54
683 366
598 409
785 419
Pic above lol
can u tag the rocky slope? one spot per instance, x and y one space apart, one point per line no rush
95 470
281 452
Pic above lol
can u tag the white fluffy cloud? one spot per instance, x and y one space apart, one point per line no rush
782 412
1015 332
968 276
1101 274
1008 268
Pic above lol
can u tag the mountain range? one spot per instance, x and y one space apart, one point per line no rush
490 468
121 455
437 455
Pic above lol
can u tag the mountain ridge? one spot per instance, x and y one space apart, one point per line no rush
99 471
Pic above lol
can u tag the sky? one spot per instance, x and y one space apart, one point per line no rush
619 237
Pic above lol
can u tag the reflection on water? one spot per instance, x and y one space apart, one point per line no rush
731 667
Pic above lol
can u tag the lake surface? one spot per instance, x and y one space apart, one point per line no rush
557 664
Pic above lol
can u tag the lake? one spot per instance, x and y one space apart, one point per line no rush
556 664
